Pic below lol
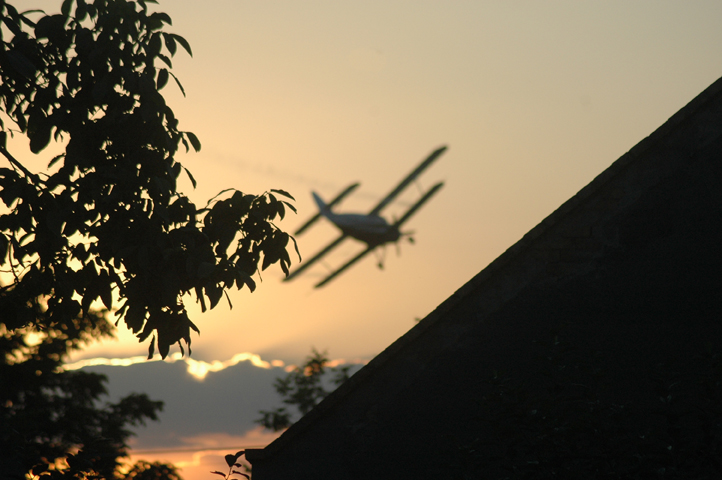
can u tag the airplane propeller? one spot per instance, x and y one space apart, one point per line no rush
409 238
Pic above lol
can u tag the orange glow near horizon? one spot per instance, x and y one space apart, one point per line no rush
198 368
205 452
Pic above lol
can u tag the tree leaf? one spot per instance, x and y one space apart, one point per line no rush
194 141
151 348
41 138
163 347
178 83
230 305
193 326
244 278
290 206
170 43
167 61
162 78
201 299
193 180
106 292
50 27
13 26
163 17
184 43
284 193
295 245
214 294
285 261
55 159
65 8
81 11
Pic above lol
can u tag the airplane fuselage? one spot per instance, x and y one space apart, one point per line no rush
373 230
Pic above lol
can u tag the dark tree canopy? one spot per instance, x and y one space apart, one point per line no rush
52 422
107 222
143 470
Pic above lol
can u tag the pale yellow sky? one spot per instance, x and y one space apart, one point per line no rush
534 100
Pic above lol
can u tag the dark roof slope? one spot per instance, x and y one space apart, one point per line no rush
615 290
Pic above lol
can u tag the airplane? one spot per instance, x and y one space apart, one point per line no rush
371 228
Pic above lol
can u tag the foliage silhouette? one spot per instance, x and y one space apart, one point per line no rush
107 224
51 421
303 387
233 464
143 470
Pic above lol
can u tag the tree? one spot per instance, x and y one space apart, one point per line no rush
143 470
104 226
106 223
303 387
51 421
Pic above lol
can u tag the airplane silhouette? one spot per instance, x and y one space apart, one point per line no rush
370 228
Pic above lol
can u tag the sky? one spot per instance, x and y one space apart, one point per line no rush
533 99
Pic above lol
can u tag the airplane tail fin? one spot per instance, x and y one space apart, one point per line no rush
322 207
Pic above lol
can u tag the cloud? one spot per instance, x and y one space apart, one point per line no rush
199 369
209 407
227 400
221 397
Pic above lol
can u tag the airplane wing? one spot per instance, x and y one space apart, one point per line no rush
333 202
410 178
418 204
315 258
344 267
414 208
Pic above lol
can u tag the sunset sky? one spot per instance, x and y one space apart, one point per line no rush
534 99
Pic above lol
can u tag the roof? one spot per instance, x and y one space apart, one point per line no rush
566 245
